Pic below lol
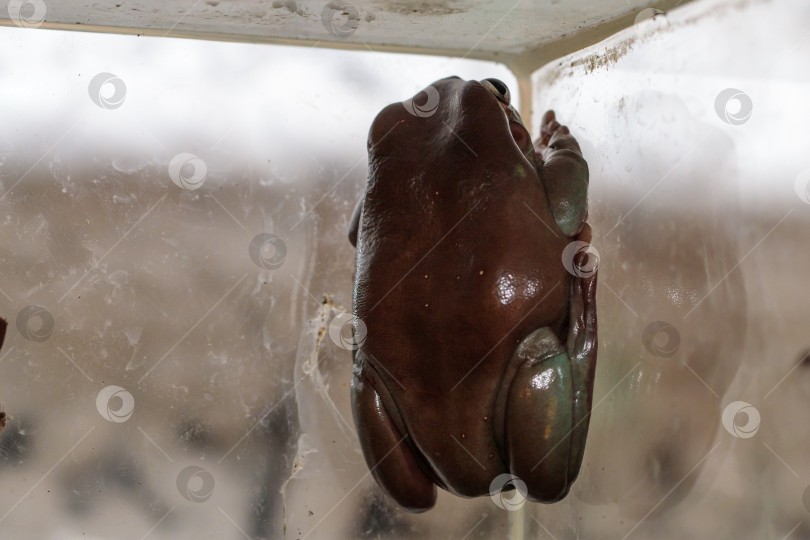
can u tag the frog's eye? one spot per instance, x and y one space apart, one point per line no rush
501 91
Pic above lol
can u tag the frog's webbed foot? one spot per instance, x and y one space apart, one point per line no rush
564 173
388 455
548 402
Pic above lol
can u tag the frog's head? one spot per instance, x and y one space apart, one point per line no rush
467 136
451 129
517 128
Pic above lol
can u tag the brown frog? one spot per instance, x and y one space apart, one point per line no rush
480 345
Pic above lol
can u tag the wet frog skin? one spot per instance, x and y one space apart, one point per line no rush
480 346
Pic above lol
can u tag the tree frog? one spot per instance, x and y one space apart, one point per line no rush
479 347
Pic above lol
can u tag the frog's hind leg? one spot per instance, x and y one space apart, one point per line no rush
385 447
546 408
538 417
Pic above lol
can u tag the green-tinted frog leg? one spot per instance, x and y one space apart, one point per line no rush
564 174
548 405
388 455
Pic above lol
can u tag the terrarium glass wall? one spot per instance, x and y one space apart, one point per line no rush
173 213
693 124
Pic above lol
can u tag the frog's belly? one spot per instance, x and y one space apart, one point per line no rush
455 299
444 334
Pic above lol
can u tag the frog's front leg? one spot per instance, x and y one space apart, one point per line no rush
548 406
354 224
385 447
564 173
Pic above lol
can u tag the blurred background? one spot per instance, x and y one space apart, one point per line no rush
174 268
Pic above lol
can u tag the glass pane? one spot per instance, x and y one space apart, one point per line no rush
174 213
693 127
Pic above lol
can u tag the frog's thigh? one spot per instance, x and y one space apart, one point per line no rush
538 417
386 450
